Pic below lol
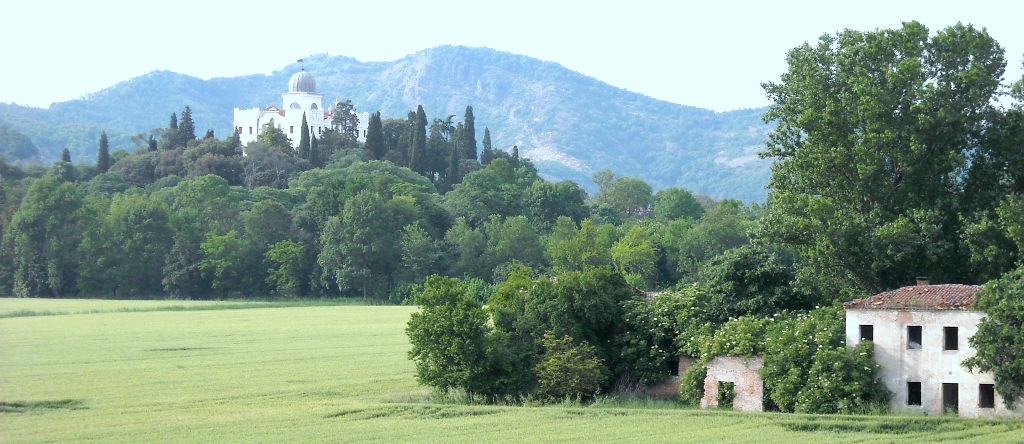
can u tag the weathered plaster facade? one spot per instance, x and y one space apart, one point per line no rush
931 362
744 373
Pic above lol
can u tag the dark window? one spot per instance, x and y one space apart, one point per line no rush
950 397
867 332
913 393
914 337
950 334
986 396
291 129
250 130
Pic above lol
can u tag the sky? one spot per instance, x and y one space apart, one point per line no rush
710 54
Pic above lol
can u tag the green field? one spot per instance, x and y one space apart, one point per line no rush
322 374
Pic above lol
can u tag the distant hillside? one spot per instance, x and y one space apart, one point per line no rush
571 125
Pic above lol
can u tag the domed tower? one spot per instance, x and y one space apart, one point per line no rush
300 99
302 94
302 82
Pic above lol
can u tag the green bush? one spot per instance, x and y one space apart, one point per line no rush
569 370
691 384
807 367
842 380
448 337
741 336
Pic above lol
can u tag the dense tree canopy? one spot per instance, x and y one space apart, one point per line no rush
874 130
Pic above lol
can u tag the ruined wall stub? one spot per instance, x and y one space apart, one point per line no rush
670 387
744 373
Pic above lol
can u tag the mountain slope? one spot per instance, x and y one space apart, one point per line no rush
571 125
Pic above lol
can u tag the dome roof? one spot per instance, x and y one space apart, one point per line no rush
302 82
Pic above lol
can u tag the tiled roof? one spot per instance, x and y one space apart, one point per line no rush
927 297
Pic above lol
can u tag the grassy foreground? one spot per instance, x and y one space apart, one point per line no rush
323 374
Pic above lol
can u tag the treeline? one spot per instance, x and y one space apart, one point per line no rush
192 217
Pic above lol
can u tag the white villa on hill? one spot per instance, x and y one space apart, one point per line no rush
300 99
920 340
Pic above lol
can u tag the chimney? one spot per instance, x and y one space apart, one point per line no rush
922 280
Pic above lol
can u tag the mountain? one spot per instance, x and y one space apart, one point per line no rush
569 124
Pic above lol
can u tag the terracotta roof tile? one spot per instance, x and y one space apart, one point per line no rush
927 297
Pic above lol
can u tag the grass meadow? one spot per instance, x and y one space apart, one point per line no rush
138 371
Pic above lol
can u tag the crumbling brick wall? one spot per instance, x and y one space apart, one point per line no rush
744 373
670 387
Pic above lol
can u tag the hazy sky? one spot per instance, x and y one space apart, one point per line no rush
711 54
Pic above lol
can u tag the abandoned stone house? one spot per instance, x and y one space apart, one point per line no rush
920 338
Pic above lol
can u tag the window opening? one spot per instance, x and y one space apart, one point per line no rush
913 393
950 335
914 337
950 397
986 396
867 332
726 394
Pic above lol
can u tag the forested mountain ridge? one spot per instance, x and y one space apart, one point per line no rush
571 125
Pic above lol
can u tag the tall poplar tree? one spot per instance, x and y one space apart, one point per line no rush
374 144
487 155
152 143
103 159
304 139
65 156
515 156
469 134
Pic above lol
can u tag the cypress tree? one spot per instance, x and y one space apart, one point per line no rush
409 137
314 151
152 143
66 156
304 139
186 128
209 134
453 167
169 138
236 142
419 141
374 145
487 156
469 134
515 156
103 159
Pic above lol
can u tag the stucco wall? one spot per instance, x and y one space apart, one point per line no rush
930 365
